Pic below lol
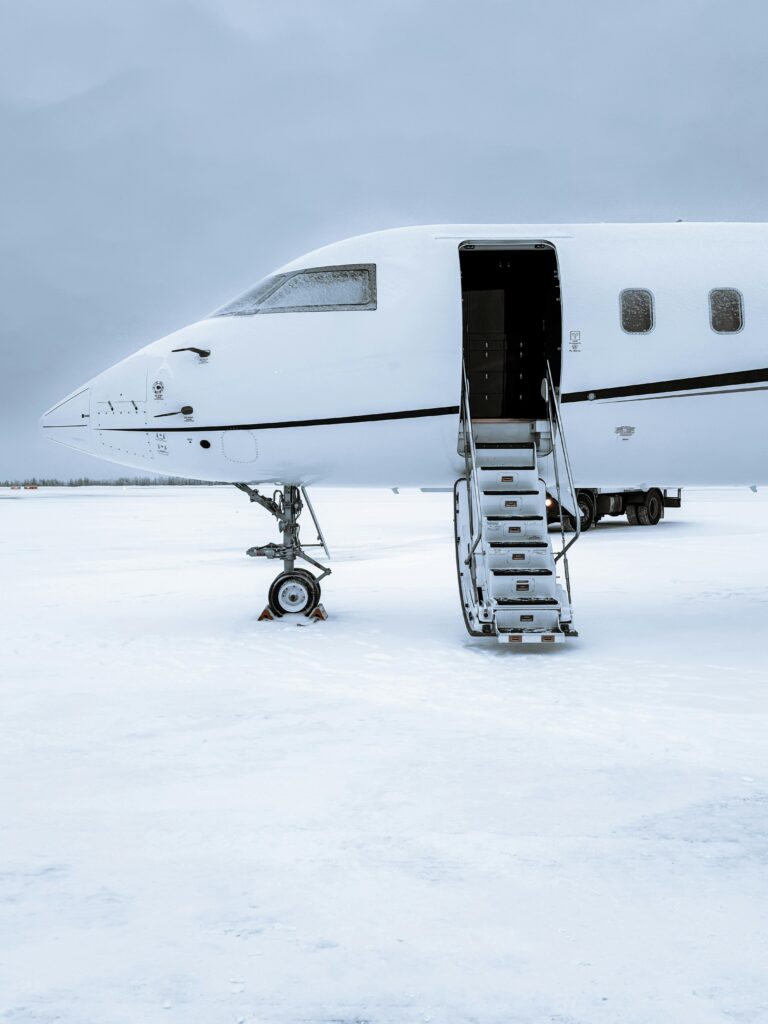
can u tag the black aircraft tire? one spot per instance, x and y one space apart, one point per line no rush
651 510
315 581
632 516
294 593
586 512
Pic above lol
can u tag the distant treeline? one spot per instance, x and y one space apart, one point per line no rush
121 481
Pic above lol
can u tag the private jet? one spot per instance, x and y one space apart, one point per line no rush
522 366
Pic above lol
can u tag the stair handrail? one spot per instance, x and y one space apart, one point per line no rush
558 555
555 419
470 463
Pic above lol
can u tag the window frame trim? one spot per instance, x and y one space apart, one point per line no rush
740 294
284 278
652 328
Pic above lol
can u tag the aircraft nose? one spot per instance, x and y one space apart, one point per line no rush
69 421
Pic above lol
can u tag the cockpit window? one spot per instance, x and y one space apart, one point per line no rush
306 291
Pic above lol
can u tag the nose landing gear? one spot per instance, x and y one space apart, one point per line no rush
294 591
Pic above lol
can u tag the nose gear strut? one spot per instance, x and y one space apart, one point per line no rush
294 591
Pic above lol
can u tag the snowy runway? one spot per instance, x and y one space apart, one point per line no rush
206 819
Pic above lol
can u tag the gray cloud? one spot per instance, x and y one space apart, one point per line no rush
158 157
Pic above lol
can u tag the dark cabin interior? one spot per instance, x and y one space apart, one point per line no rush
512 327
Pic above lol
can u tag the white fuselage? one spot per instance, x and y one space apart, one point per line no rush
370 396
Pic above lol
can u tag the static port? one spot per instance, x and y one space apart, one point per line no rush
205 444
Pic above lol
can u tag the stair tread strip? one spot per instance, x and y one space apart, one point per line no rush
522 572
511 446
538 544
516 519
502 494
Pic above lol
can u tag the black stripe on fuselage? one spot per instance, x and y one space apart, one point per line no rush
726 382
409 414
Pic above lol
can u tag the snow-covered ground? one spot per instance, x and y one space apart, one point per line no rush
210 820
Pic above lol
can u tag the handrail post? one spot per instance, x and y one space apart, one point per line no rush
554 405
473 490
473 455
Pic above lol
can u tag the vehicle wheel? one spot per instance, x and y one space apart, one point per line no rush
632 515
294 593
651 510
586 512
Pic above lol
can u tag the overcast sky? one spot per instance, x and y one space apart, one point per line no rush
159 156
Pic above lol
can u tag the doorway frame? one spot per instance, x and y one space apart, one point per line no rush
509 245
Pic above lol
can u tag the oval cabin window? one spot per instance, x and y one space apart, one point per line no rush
636 310
726 310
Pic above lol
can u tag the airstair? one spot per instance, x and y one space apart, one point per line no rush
513 584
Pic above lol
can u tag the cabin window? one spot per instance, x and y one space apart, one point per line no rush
637 311
315 290
726 310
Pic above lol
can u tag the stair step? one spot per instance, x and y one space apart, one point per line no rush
514 479
524 561
525 618
524 503
529 602
528 534
532 587
511 458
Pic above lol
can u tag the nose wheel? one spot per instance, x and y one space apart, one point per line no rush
295 591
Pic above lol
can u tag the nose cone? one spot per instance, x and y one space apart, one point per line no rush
69 421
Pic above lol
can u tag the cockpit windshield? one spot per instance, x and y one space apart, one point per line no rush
305 291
